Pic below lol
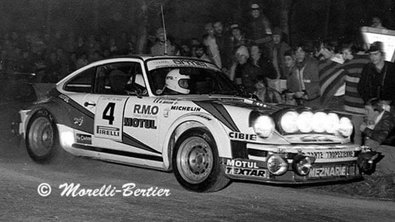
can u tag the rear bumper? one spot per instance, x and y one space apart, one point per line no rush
22 125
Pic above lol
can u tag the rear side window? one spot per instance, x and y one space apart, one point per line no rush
82 82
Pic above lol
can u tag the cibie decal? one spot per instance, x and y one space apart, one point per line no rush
145 109
83 138
243 168
328 171
185 108
242 136
140 123
108 131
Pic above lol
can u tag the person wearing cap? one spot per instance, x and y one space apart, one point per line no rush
277 50
259 26
378 77
237 39
161 43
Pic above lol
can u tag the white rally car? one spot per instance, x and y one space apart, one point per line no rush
183 115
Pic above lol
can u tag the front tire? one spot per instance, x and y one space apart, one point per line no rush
196 162
42 140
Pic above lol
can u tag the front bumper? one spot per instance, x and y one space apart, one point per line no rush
333 162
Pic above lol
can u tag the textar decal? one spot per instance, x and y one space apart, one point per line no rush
243 168
328 171
145 109
245 172
109 131
83 138
242 136
185 108
140 123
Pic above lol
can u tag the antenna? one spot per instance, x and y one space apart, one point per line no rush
164 28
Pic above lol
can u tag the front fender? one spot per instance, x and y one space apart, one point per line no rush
192 120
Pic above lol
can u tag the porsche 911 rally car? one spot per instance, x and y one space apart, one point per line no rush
183 115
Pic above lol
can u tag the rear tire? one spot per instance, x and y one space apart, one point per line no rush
42 138
196 162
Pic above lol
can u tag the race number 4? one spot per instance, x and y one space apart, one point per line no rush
108 113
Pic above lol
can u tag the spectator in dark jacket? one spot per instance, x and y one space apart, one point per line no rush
377 77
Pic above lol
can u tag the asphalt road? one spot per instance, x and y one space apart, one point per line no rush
20 178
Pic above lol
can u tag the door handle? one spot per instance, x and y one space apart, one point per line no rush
89 104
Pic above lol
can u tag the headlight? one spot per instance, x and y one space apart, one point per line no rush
301 165
304 122
332 123
277 165
318 122
345 126
263 126
288 122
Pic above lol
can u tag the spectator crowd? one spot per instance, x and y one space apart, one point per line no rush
343 75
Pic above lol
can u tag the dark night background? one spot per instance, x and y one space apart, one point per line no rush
307 19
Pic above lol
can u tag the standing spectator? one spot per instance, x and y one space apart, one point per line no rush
377 23
277 50
304 82
113 46
289 62
122 44
82 60
378 77
159 47
240 65
223 42
52 70
353 102
332 75
262 65
201 53
210 41
259 27
237 39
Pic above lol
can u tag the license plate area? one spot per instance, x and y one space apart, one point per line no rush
333 170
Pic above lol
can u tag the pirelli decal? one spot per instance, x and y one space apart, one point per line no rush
219 112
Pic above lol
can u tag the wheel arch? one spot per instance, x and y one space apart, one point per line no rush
190 121
53 109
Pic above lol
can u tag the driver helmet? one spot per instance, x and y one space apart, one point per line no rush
177 81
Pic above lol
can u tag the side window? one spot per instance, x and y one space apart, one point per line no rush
117 78
82 82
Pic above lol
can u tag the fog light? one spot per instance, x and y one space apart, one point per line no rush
301 165
277 165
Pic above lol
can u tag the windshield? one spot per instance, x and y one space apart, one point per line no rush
190 80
